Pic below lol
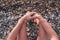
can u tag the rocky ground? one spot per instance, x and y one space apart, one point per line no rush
12 10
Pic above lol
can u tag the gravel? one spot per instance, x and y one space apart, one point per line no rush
11 11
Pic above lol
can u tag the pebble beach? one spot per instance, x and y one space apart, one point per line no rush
12 10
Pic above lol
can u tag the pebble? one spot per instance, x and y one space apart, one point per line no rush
11 11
